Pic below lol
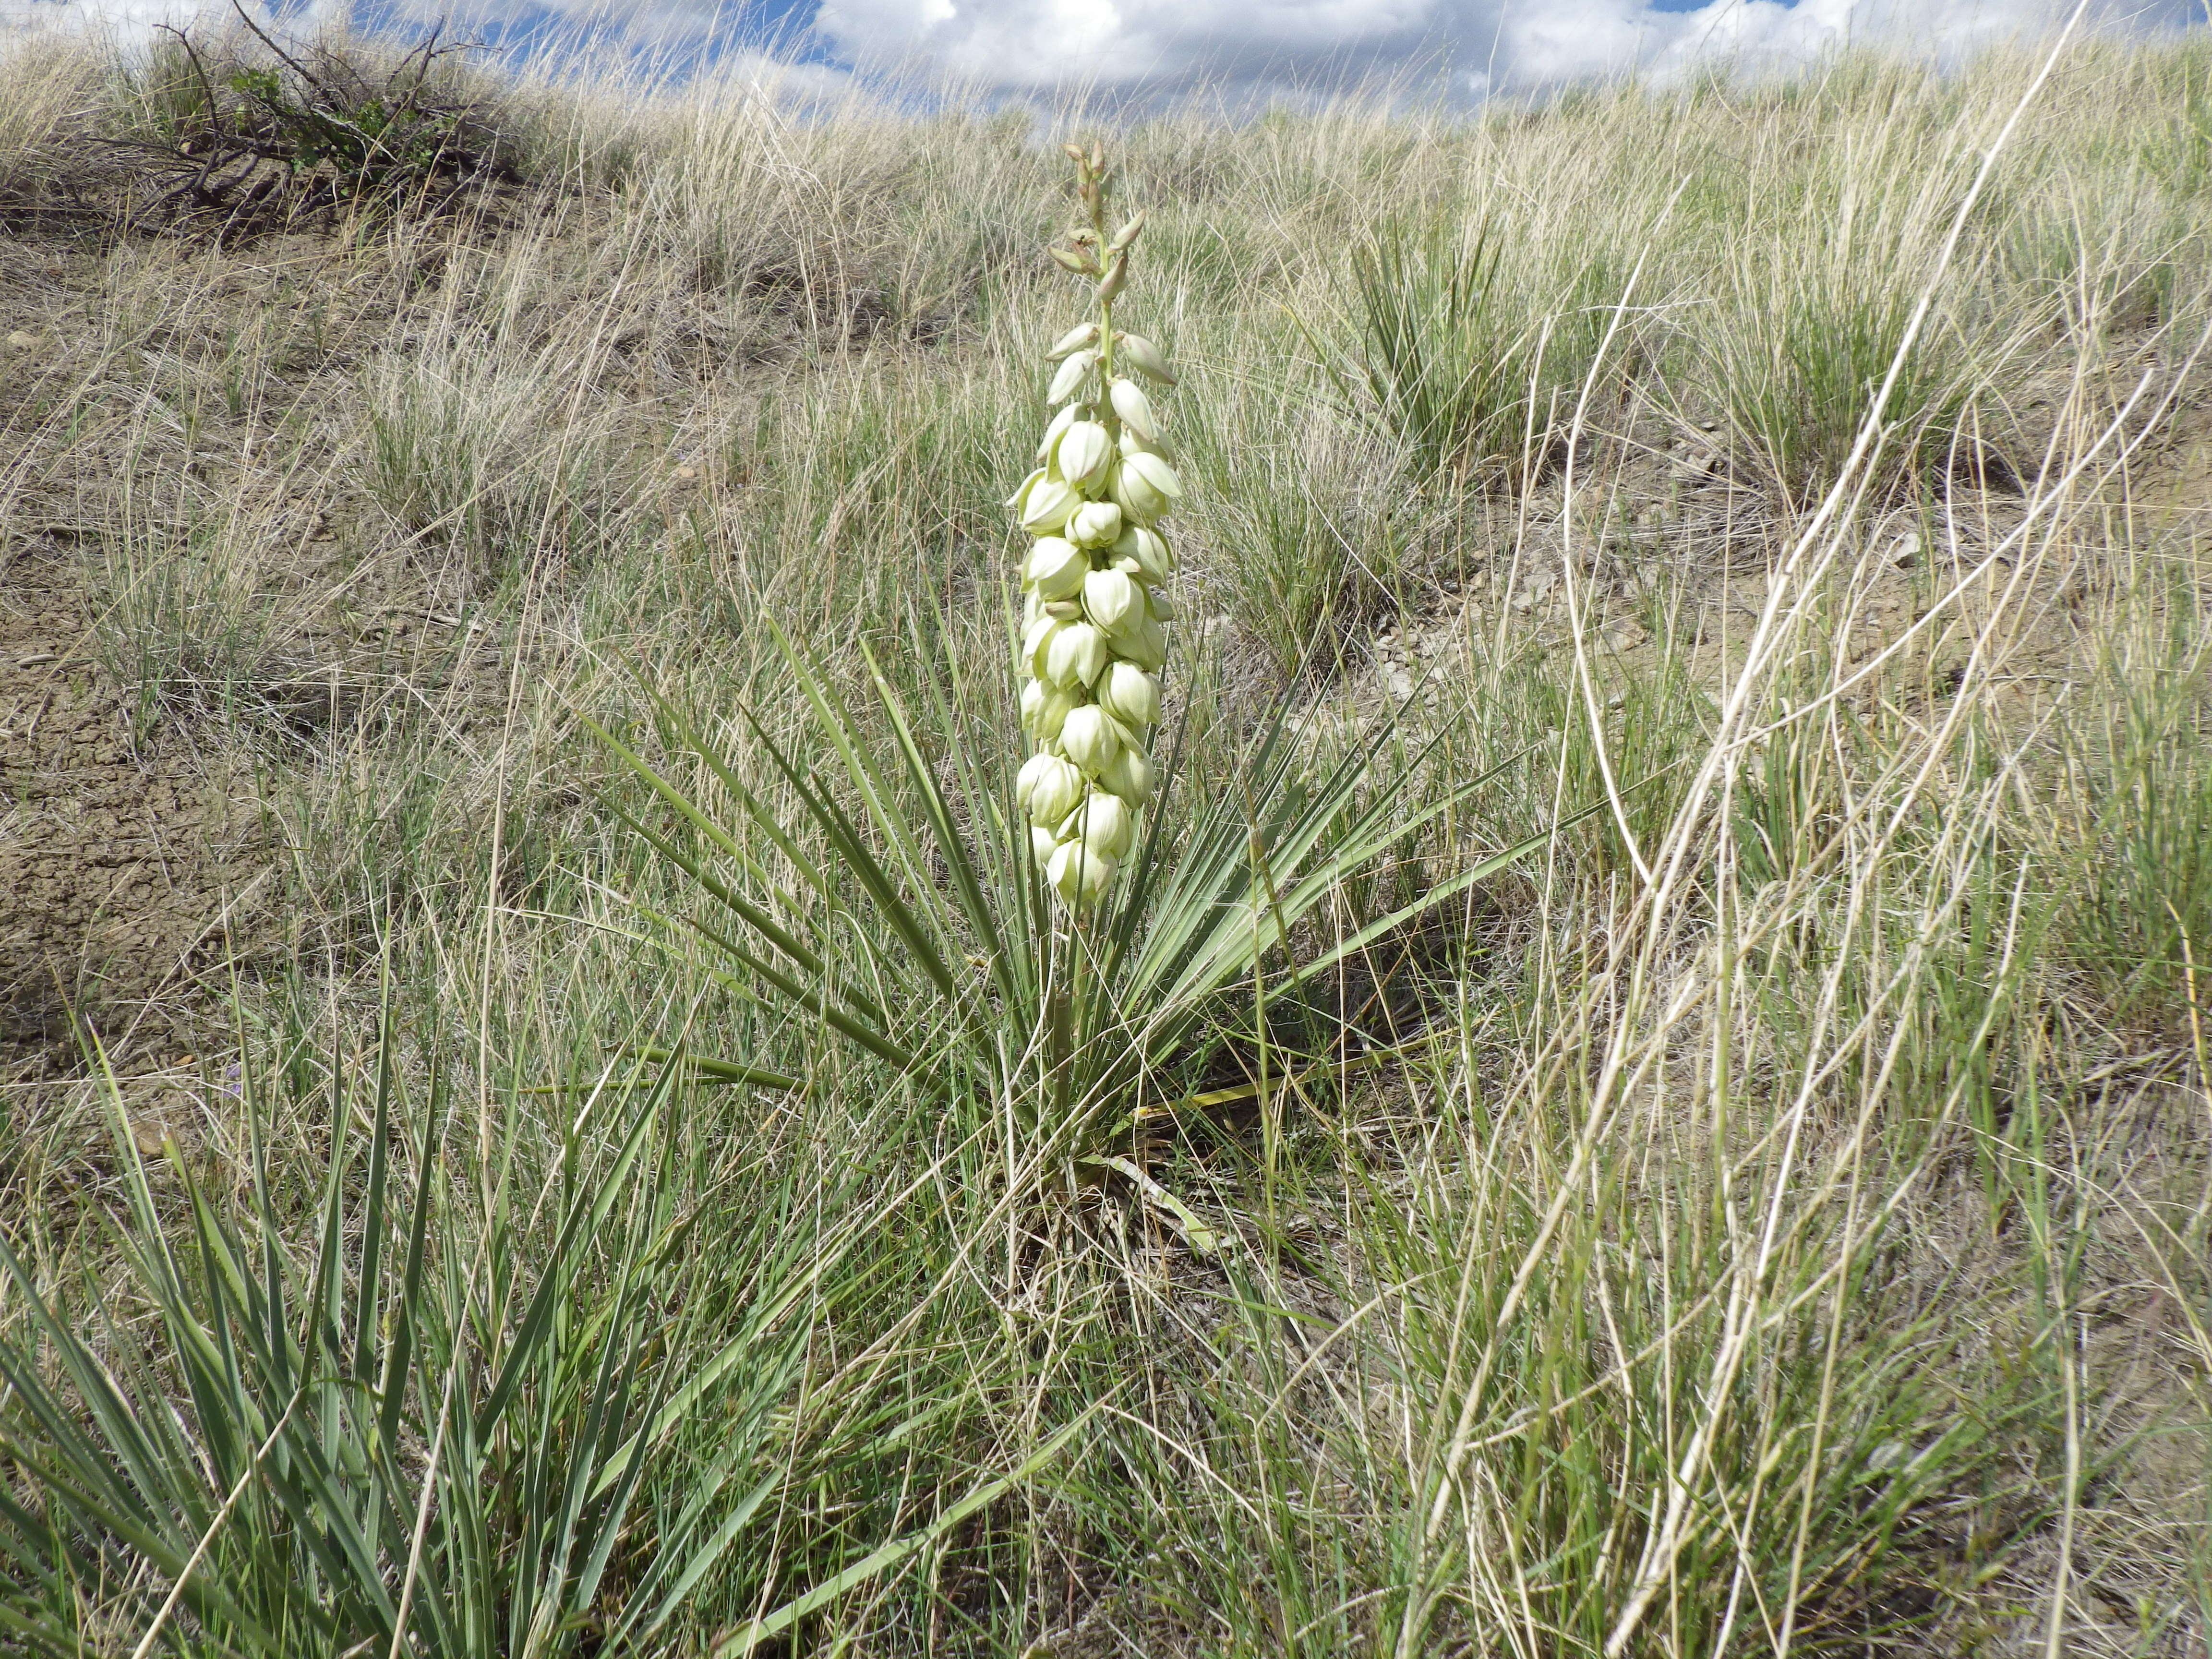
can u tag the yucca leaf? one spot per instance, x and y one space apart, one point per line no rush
811 1000
391 1386
585 1213
368 1296
844 837
981 917
783 938
712 1071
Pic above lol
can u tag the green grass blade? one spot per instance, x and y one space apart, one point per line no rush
759 1630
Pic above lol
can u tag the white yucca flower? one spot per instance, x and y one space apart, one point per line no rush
1073 373
1143 356
1134 408
1060 422
1047 504
1093 644
1084 453
1055 569
1076 339
1095 525
1050 787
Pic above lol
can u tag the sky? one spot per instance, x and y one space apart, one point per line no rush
1491 43
1267 48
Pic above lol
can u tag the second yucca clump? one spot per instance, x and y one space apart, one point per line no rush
1092 640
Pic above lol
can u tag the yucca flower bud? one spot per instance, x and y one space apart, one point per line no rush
1147 554
1112 601
1056 569
1143 485
1117 274
1094 524
1050 788
1102 824
1128 776
1083 334
1060 422
1085 450
1130 695
1042 844
1143 356
1079 875
1145 644
1070 375
1045 708
1134 407
1046 504
1074 655
1089 738
1126 235
1036 634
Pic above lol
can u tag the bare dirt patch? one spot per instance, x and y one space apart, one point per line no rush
126 869
194 591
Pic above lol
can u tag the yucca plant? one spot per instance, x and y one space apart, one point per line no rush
375 1421
1059 937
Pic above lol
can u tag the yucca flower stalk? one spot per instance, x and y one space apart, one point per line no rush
1094 640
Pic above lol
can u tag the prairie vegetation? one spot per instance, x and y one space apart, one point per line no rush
1770 1214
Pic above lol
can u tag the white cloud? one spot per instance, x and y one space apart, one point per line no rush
1145 48
1043 42
1032 45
